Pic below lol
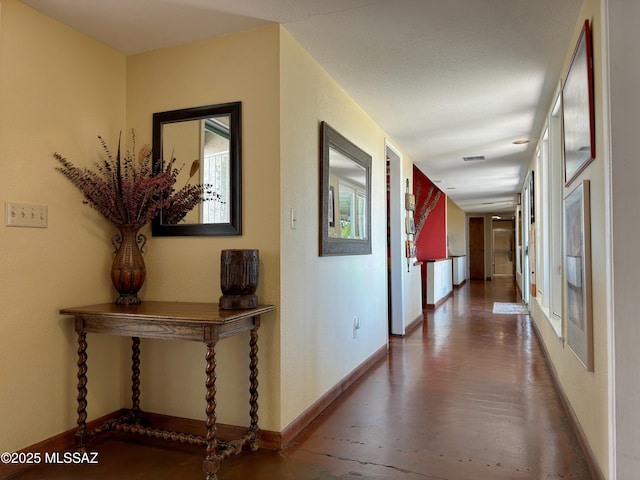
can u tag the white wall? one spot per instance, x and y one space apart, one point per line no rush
405 275
439 280
624 108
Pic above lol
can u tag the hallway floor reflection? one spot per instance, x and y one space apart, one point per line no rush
465 396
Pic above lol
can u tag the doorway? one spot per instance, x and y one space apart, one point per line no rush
503 248
395 275
476 248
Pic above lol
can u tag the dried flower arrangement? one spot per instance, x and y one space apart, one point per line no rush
127 191
428 205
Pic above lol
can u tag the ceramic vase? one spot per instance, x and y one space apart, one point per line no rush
128 270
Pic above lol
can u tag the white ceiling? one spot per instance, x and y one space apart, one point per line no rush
444 78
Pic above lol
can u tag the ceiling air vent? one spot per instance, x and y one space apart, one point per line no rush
474 158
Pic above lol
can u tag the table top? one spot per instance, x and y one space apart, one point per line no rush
175 312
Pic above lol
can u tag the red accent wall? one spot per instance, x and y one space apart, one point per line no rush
432 242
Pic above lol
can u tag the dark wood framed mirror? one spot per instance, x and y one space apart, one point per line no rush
345 195
212 135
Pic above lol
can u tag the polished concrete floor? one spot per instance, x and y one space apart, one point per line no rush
466 396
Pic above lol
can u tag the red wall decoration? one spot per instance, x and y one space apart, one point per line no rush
430 218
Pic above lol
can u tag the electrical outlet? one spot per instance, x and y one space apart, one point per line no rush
23 215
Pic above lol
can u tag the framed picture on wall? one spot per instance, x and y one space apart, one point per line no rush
409 201
577 264
410 249
410 225
577 109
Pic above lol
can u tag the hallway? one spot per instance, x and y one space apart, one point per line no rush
466 396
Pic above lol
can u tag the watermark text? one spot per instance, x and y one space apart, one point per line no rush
34 458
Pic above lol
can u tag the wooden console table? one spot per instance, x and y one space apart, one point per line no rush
199 322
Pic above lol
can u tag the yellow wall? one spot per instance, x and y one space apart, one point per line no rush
587 391
58 91
322 295
456 229
241 67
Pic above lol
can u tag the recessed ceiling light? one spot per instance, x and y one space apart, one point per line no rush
521 142
451 188
438 181
473 158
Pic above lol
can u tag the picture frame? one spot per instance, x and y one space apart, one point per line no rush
342 162
410 249
577 264
410 225
409 201
578 109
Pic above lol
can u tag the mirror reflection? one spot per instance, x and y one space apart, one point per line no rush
204 142
203 147
345 196
349 179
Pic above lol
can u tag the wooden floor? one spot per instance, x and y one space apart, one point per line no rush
466 396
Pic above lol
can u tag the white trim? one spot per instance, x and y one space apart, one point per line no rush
398 262
556 221
608 189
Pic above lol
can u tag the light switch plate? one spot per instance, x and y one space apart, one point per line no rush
24 215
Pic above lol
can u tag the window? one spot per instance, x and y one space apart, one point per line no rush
555 218
352 202
543 267
215 171
548 226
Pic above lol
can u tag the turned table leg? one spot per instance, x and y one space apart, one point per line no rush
135 379
253 388
81 434
212 460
